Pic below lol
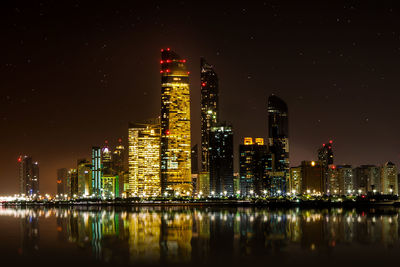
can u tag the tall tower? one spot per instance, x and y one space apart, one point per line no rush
96 171
221 160
29 176
175 125
209 109
325 156
278 142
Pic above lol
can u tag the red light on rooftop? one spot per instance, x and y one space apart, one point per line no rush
167 70
168 61
203 84
184 61
106 141
119 140
323 145
161 71
162 50
168 49
20 159
161 62
331 142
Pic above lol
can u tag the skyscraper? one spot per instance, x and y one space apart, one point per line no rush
175 125
253 166
345 179
389 183
278 129
221 160
84 173
325 156
96 171
144 159
62 175
106 159
29 176
209 109
118 164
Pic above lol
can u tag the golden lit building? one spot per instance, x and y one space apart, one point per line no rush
144 159
295 180
175 125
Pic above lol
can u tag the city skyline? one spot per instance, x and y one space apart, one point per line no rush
63 129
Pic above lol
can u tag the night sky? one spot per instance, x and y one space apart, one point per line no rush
74 73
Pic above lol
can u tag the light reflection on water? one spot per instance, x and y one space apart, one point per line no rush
159 235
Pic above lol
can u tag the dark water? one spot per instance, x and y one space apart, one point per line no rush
199 236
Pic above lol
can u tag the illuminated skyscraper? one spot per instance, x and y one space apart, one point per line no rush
106 159
278 142
253 166
389 184
144 159
295 180
345 179
325 156
84 178
96 171
118 164
175 125
73 178
29 176
209 109
221 160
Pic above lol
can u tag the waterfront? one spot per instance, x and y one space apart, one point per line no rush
199 236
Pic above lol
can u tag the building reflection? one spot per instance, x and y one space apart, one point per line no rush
159 235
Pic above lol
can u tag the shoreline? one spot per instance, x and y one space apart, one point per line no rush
226 203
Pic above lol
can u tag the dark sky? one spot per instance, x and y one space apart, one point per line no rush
74 73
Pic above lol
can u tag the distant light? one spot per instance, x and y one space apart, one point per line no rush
168 61
167 132
162 50
203 84
20 159
188 72
161 62
313 163
168 49
331 141
184 61
161 71
167 70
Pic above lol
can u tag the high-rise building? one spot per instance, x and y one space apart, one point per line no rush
84 172
73 178
221 160
312 175
203 184
195 158
362 178
106 159
325 156
389 183
175 125
345 179
295 180
144 159
374 179
96 171
332 180
62 185
253 166
278 142
28 176
209 109
118 166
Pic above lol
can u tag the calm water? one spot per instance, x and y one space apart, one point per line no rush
199 236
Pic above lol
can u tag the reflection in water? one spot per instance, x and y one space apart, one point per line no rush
157 235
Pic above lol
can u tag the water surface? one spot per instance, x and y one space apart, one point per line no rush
199 236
